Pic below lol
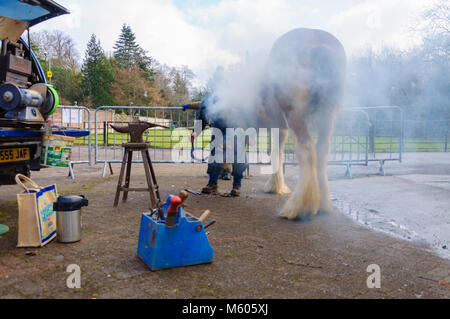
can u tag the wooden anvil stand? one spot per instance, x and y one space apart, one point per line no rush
136 129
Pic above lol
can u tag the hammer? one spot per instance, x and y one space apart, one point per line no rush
172 212
192 106
202 218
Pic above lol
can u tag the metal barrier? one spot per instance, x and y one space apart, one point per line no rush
386 134
77 118
361 135
163 142
426 135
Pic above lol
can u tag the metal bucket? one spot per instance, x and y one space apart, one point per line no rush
68 226
68 218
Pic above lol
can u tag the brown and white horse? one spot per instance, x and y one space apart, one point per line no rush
302 90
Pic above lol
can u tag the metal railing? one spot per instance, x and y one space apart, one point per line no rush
75 121
163 142
426 135
361 135
386 134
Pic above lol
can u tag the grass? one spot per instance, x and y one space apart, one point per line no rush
179 138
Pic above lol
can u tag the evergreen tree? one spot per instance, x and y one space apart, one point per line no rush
126 50
98 74
129 54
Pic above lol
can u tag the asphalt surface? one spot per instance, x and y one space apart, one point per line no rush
256 254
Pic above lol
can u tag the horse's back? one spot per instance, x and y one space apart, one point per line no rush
307 67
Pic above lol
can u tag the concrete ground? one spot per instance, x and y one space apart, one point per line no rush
411 202
256 254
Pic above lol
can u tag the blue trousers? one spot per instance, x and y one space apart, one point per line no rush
215 169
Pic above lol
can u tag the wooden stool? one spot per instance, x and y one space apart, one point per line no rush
149 174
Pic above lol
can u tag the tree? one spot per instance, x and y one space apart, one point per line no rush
181 84
56 46
198 94
98 74
131 87
68 85
162 80
129 54
60 49
437 29
126 49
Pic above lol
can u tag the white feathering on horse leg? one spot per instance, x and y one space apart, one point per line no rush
323 151
275 184
305 200
325 199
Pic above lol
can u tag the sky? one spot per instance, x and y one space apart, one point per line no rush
204 34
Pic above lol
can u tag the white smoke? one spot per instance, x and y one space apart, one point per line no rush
236 90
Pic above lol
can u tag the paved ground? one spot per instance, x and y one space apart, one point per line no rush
411 202
257 255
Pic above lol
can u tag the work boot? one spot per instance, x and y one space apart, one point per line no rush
236 191
211 188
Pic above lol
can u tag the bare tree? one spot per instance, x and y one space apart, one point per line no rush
58 46
437 29
181 78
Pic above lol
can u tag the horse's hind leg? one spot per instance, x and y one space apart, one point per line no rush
305 200
324 130
276 183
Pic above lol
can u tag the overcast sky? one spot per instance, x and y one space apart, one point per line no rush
203 34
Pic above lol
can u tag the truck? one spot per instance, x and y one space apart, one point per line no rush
26 99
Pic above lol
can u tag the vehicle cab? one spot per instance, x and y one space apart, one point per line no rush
26 100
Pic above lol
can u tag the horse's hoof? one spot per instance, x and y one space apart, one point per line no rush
273 189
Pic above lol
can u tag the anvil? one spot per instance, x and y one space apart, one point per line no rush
135 129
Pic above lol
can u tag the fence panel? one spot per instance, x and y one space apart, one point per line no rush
74 120
167 145
349 141
361 135
426 135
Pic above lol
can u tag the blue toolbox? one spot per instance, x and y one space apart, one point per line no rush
172 237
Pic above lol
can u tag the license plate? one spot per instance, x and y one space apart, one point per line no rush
14 154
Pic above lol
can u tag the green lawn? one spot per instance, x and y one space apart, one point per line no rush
179 138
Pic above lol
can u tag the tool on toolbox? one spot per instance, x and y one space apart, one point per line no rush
172 211
192 191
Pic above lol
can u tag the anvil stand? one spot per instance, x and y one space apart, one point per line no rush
136 144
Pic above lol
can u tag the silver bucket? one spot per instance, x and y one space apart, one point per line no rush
68 226
68 217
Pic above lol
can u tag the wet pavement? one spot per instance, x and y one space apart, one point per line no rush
412 202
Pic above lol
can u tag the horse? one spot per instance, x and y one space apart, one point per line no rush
302 90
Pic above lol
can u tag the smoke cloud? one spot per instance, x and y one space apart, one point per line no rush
236 91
